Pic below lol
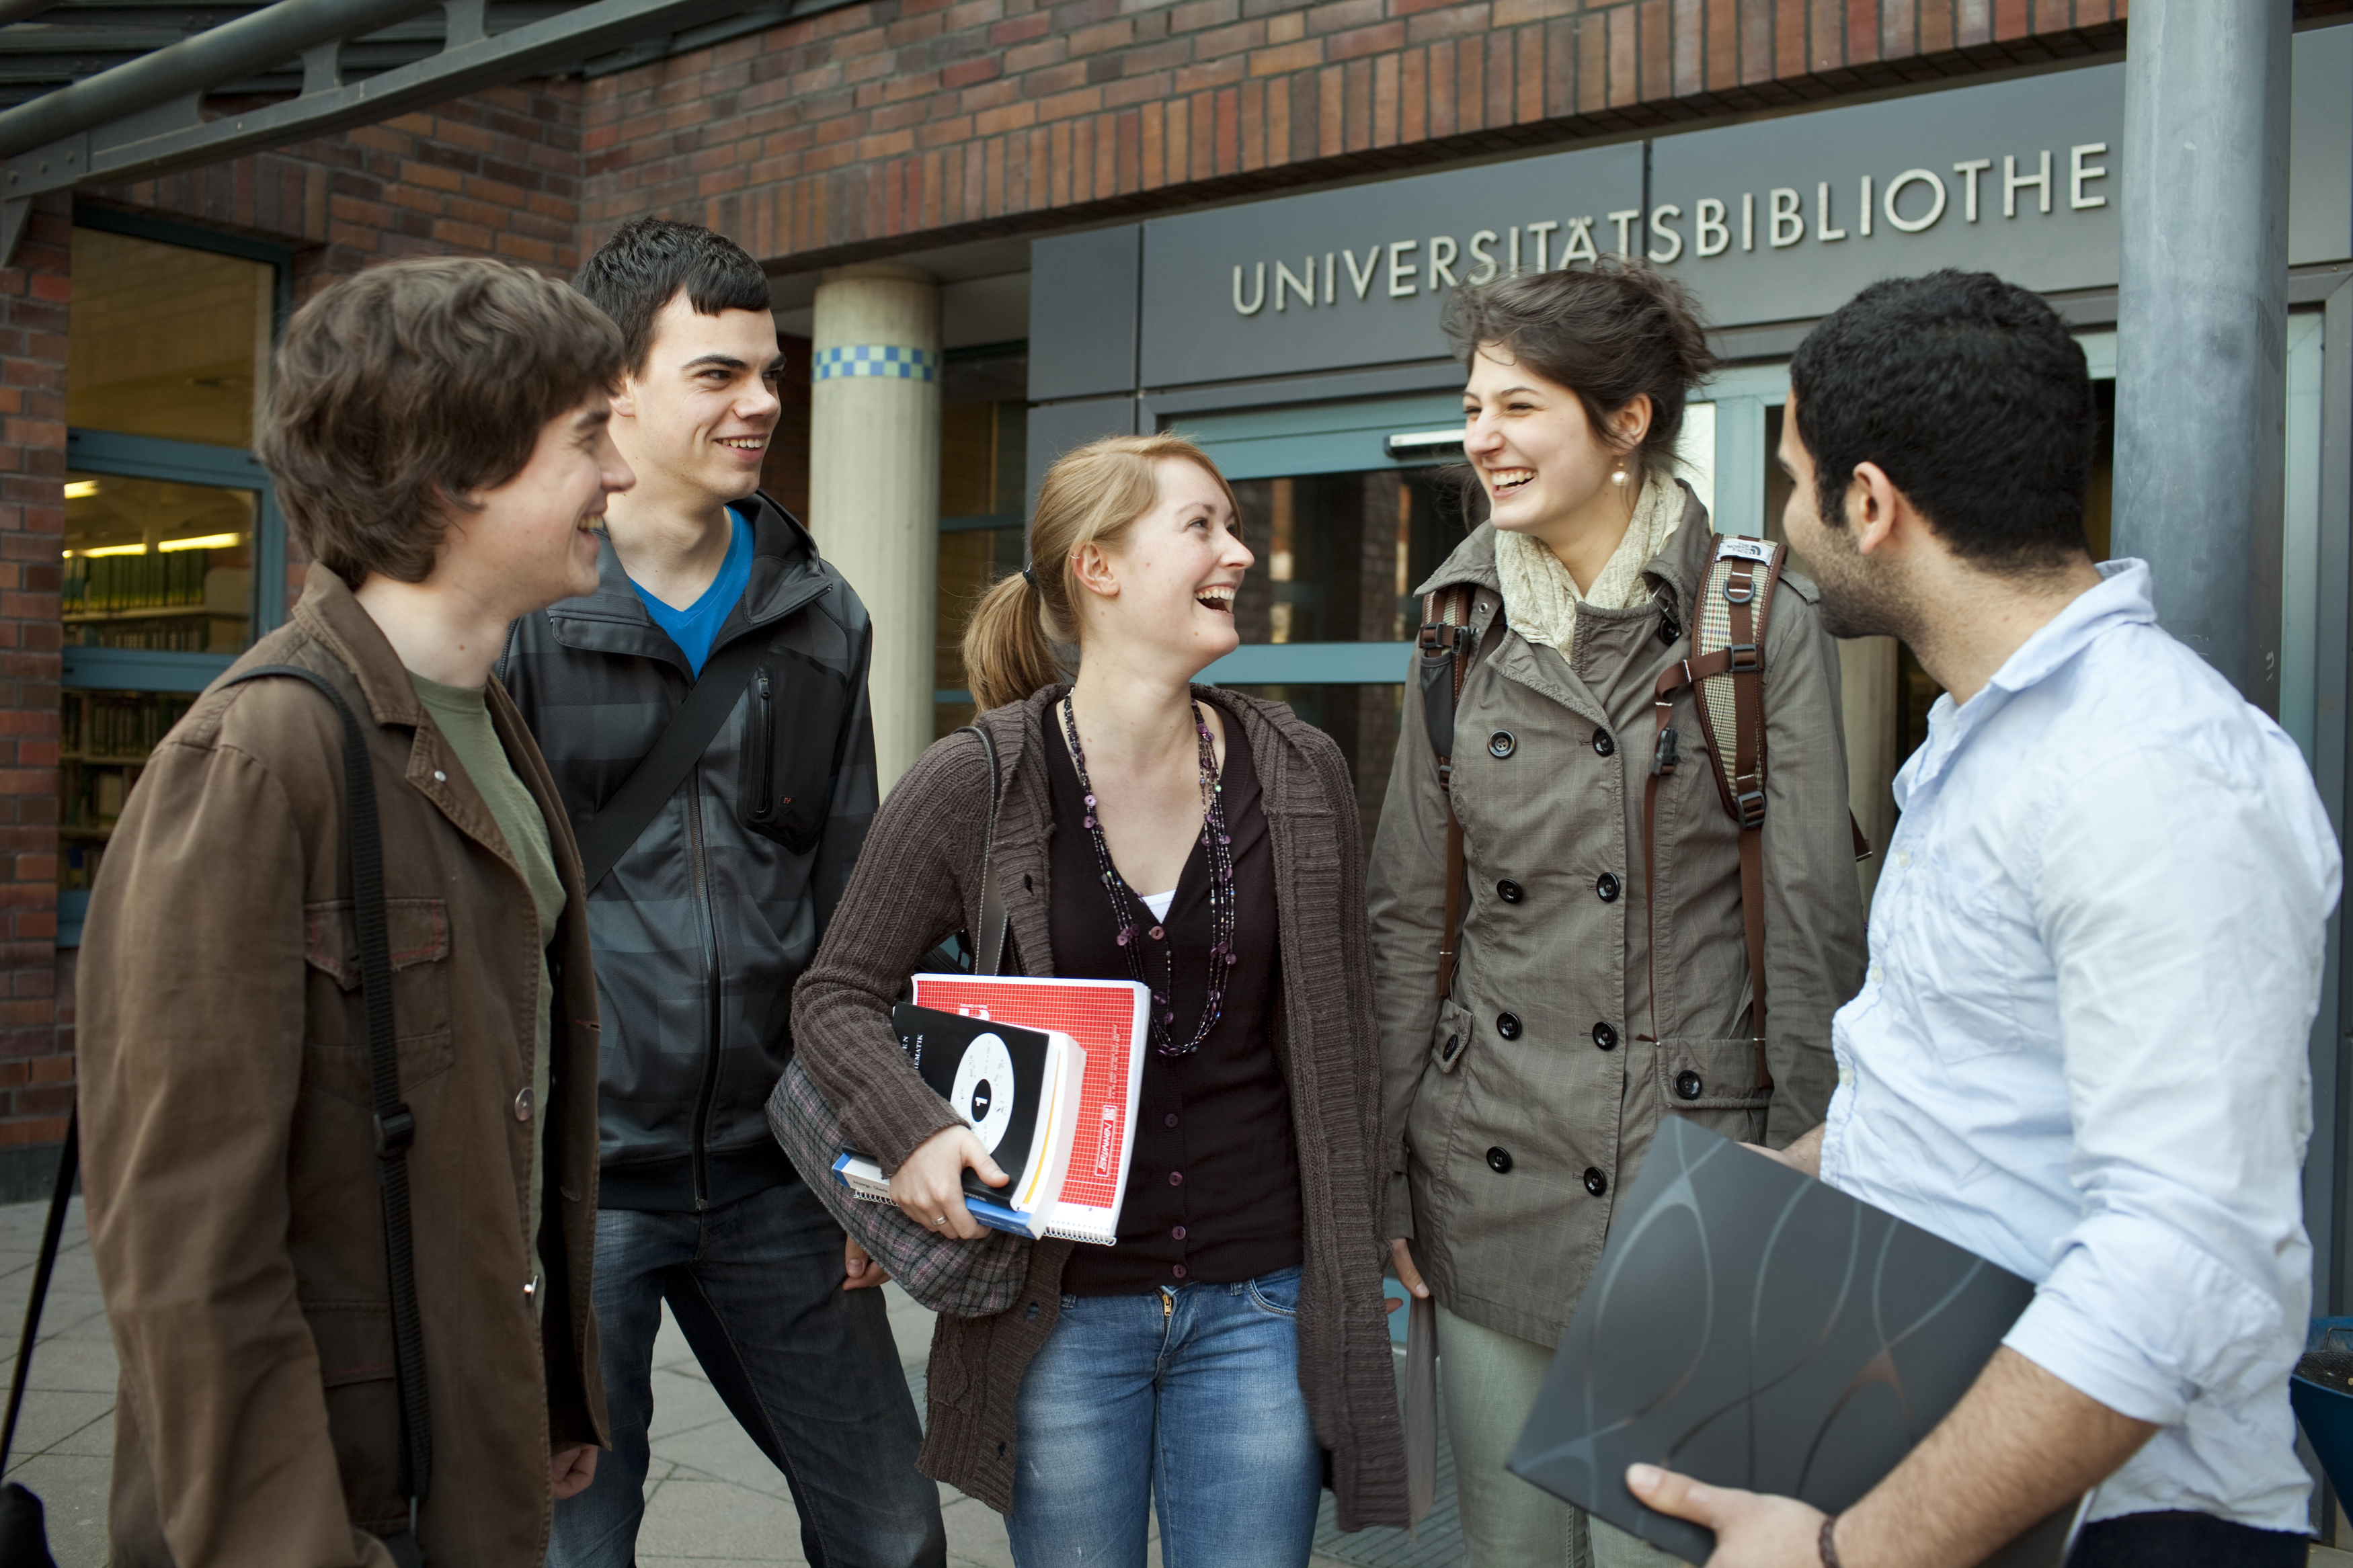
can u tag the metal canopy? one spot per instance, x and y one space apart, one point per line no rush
105 91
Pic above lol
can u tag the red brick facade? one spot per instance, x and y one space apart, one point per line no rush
36 1067
849 133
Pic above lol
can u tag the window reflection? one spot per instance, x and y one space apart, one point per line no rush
165 341
155 564
1339 555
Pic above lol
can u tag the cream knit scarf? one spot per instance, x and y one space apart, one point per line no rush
1541 597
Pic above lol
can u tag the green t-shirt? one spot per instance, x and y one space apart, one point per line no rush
464 719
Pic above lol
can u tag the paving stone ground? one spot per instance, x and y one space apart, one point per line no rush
712 1500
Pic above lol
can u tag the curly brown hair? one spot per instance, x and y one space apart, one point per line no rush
1607 333
398 393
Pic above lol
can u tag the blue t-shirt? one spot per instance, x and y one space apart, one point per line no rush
695 627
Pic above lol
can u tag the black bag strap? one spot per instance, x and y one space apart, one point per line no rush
396 1127
989 958
656 778
68 1161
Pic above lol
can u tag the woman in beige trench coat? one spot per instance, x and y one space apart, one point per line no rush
1517 1102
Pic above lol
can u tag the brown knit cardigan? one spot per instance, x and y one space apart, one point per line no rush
918 881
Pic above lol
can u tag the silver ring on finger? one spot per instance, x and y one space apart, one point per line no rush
942 1219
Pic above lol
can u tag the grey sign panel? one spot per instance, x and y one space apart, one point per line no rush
1779 219
1082 314
1768 222
1354 277
2320 148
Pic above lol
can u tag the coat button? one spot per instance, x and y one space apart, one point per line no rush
523 1104
1669 630
1176 1178
1508 1026
1177 1270
1178 1232
1605 1036
1499 1161
1453 1044
1688 1085
1502 743
1169 1120
1602 743
1595 1182
1511 892
1606 885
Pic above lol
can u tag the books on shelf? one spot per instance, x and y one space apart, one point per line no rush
1074 1167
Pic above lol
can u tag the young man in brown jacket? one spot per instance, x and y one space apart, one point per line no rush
438 432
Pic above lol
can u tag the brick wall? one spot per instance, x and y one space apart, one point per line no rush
849 133
35 1063
494 174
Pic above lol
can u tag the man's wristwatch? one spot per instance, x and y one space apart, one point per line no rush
1828 1543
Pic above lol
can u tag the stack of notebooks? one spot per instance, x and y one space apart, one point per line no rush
1047 1072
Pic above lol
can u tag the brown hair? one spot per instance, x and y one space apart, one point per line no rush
398 393
1090 497
1607 334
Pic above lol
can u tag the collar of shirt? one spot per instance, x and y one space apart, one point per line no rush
2121 598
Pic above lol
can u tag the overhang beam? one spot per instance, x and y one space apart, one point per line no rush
160 133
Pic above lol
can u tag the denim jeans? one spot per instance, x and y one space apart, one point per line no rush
809 1368
1186 1398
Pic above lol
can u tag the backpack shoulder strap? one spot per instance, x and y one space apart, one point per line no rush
1727 673
608 835
1446 648
395 1125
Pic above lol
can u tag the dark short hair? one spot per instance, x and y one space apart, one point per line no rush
1607 333
646 264
1973 396
397 393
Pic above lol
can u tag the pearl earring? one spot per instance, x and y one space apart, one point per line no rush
1618 476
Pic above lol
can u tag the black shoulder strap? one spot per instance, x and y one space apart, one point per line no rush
991 953
396 1127
69 1160
656 777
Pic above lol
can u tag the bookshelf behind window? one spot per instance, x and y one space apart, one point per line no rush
103 743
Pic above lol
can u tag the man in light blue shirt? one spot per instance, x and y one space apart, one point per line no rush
2095 955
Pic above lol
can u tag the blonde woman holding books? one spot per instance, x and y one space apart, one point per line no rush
1229 1357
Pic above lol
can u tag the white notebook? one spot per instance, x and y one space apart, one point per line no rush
1110 1019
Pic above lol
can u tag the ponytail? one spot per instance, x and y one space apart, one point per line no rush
1006 653
1090 497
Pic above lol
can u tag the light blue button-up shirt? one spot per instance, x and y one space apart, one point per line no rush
2080 1049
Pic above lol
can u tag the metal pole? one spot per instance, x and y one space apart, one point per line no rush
262 39
2201 324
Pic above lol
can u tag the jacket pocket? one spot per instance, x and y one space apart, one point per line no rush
1450 1040
356 1368
791 747
1713 1083
335 1059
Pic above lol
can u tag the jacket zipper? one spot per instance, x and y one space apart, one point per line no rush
700 874
764 729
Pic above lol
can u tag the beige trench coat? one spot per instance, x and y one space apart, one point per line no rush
1507 1155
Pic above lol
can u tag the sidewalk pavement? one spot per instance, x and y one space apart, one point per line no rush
712 1500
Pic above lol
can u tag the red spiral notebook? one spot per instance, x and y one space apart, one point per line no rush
1108 1018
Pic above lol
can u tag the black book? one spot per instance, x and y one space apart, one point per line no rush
1019 1090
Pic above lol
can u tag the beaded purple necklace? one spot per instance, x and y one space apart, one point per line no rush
1223 900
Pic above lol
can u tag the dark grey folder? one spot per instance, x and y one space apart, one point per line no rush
1753 1328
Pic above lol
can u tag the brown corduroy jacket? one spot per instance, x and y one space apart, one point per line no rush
228 1149
919 881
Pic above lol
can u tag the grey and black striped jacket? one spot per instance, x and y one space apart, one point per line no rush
704 924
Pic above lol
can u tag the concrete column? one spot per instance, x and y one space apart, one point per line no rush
2201 324
874 480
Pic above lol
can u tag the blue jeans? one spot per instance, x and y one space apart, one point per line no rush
1187 1398
808 1369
